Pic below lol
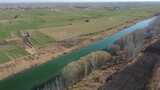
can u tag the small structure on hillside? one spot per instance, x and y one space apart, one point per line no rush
25 38
27 44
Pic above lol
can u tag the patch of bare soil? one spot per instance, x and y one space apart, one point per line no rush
134 76
45 54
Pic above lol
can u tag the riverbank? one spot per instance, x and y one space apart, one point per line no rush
45 54
114 73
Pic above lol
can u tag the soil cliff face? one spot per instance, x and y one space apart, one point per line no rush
136 75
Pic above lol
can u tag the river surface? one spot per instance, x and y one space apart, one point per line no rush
28 79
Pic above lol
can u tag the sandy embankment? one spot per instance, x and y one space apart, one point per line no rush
45 54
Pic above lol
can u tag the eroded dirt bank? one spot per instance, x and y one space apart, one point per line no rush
135 76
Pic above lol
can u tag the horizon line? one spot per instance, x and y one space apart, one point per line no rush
79 2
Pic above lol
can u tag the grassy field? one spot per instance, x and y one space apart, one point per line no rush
48 26
110 19
36 19
10 52
39 39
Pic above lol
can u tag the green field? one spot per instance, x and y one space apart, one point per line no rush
10 52
48 26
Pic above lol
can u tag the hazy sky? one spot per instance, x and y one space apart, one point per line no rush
70 0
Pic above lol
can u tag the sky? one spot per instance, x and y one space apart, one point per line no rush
15 1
